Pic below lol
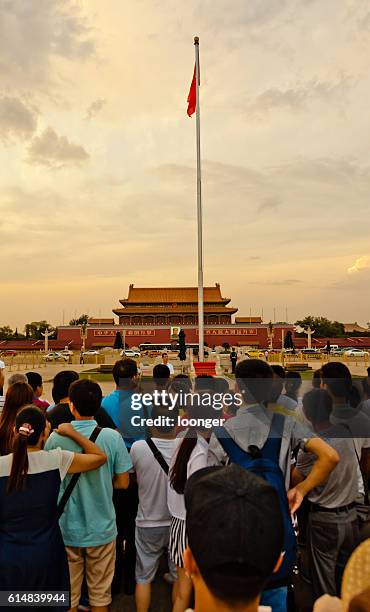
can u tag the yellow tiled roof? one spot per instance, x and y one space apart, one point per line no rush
170 295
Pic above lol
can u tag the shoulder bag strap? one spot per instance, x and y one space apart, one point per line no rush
72 483
158 455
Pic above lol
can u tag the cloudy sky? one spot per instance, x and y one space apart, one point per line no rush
97 155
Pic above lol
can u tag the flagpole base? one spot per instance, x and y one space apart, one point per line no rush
205 367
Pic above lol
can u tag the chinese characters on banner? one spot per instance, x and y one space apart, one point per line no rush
227 331
230 332
129 332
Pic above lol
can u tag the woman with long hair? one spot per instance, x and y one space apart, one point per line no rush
32 553
337 379
18 395
190 455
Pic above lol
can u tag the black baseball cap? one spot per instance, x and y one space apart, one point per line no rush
235 530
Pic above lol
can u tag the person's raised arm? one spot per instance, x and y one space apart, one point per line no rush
327 460
92 458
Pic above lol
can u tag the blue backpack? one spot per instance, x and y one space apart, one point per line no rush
265 463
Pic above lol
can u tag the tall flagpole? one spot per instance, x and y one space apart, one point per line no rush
199 211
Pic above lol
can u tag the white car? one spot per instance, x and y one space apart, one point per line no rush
356 353
54 356
338 352
91 352
130 353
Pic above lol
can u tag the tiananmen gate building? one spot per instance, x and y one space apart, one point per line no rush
149 313
173 306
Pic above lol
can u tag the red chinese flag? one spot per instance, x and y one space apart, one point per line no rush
192 97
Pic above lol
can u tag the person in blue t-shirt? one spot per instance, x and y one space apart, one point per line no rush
118 404
88 523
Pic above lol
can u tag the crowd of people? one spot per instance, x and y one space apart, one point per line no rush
92 503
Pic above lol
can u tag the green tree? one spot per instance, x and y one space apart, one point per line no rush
6 332
35 329
323 327
82 320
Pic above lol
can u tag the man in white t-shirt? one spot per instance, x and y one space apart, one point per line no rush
166 362
150 459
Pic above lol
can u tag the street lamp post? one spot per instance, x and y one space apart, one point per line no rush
308 331
46 336
83 334
270 334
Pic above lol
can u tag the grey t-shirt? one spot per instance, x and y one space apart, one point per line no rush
357 425
251 425
356 421
341 487
365 407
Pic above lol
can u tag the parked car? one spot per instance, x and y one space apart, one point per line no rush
338 352
90 352
130 353
310 351
54 356
8 353
356 353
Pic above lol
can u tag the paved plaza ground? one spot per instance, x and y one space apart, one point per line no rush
106 381
161 596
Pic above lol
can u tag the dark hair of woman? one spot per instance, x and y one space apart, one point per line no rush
338 379
317 406
29 425
178 474
18 395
